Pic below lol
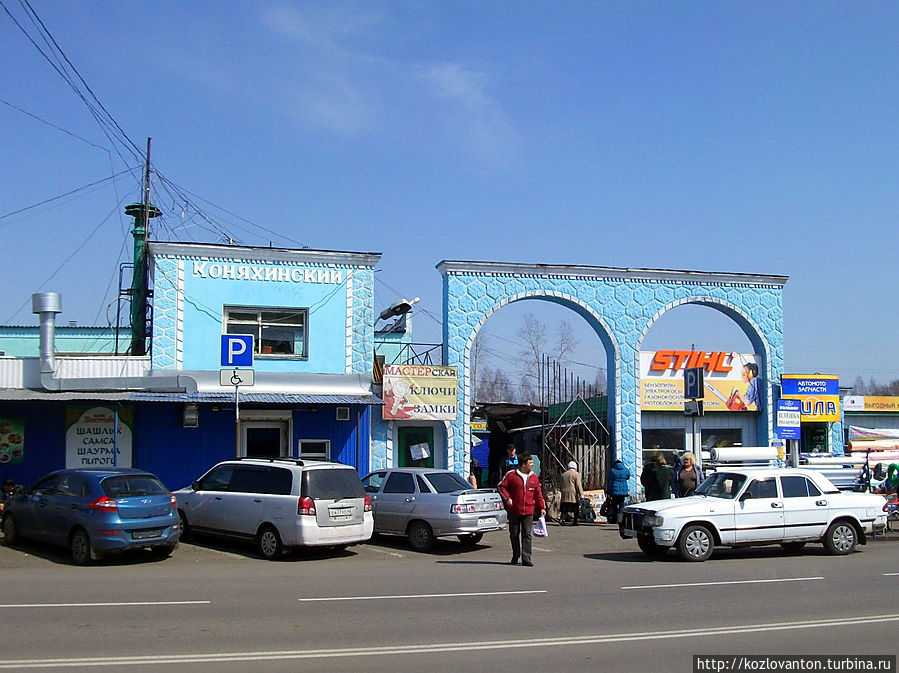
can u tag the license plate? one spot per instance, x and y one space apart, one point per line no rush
487 521
629 532
146 534
342 513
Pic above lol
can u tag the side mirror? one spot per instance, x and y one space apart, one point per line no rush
195 486
745 496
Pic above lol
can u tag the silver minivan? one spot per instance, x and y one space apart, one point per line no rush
278 503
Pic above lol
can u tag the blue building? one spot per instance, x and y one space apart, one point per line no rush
311 317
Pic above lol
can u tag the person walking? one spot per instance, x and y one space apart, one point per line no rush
656 478
572 492
618 482
687 476
521 493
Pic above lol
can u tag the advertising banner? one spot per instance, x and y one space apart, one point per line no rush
420 392
12 440
91 439
818 393
883 405
732 380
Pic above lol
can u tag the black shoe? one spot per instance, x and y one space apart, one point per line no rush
527 563
514 561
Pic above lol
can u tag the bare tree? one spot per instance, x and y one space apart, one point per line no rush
534 335
494 386
480 351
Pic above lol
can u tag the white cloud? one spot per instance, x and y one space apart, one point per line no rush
473 118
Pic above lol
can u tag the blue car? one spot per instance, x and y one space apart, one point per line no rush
95 512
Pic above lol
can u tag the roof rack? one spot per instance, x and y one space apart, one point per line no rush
272 459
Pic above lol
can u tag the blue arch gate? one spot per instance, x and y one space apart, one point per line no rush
621 305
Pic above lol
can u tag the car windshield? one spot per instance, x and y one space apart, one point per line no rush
132 486
722 485
447 482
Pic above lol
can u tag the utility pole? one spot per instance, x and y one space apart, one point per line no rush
141 212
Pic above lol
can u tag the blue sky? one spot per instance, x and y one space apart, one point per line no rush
754 137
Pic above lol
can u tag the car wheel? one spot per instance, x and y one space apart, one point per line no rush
269 543
80 547
421 537
650 548
793 547
185 528
695 543
841 538
10 534
471 538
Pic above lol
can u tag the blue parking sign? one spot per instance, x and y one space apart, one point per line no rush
237 350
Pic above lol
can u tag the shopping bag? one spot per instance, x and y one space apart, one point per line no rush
540 529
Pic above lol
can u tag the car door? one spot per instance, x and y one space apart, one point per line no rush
759 516
205 507
372 484
65 507
31 513
805 508
396 502
244 501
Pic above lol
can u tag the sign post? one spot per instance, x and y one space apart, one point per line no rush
237 351
789 426
694 391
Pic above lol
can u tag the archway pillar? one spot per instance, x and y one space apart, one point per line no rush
621 305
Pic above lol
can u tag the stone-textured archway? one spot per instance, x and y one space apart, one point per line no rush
621 305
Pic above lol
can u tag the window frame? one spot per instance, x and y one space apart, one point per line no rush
260 324
326 455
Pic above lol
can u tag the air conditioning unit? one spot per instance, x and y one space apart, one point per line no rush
343 413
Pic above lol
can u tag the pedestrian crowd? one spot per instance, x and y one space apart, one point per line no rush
521 491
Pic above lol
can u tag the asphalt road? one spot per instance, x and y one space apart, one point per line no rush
592 602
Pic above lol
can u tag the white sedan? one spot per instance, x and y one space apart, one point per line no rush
745 507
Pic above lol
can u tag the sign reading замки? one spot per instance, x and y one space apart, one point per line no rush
421 392
91 439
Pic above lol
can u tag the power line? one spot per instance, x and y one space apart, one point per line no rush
66 260
51 124
62 196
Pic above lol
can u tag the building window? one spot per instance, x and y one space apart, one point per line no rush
277 332
315 448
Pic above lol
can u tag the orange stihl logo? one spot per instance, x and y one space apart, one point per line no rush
715 361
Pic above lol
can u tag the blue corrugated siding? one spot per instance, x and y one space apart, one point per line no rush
323 424
178 455
45 440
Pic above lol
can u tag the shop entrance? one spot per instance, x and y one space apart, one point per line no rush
263 439
814 438
415 447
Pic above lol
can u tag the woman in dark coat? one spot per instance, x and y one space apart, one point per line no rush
656 478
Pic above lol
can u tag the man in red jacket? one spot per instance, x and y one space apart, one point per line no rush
520 491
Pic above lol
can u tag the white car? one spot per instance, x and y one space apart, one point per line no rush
746 507
278 503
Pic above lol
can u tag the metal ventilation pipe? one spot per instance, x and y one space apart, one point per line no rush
47 305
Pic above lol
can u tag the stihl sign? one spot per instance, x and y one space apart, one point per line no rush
713 361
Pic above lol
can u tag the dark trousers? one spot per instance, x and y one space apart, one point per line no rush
615 504
568 508
521 533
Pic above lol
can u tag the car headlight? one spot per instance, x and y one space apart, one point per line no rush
653 520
